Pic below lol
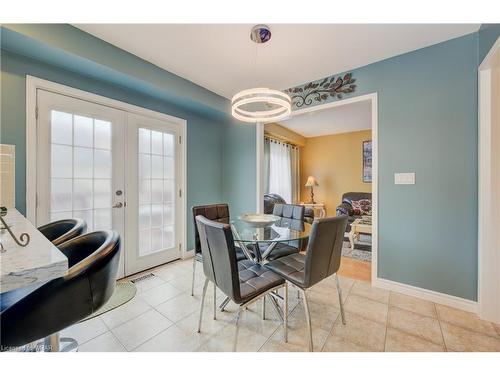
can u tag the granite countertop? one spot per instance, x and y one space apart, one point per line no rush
40 261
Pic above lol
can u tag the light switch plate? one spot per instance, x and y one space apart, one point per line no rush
404 178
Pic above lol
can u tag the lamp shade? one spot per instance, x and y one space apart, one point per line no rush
311 181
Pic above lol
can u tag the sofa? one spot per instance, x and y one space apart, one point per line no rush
345 208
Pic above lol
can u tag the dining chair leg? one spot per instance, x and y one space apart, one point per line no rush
194 274
285 314
202 303
238 314
215 302
224 303
341 302
264 308
308 319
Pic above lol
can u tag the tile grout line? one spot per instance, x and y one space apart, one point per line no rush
387 322
440 327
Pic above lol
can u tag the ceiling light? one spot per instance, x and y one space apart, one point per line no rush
261 104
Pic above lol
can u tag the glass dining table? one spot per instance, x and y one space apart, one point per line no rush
263 239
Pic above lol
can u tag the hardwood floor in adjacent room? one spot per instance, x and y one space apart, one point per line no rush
355 269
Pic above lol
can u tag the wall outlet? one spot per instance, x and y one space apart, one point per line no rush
404 178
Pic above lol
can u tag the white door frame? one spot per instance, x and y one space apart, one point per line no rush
373 98
35 83
488 182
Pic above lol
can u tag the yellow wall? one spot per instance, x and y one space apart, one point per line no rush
336 161
283 133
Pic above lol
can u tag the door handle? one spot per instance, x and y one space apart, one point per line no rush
118 205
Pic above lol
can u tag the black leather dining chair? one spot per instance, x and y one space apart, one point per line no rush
321 260
215 212
293 216
32 313
61 231
243 282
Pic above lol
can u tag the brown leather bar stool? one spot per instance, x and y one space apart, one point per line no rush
321 260
61 231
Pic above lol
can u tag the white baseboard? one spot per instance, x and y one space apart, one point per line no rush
188 254
429 295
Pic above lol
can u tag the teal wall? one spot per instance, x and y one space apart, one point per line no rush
488 35
204 132
427 125
239 167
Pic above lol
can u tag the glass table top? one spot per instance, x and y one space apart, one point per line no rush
281 231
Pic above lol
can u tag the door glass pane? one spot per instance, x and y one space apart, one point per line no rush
157 183
156 143
156 191
82 194
84 131
86 215
81 169
102 134
61 127
82 163
62 161
144 166
169 167
168 144
145 191
102 193
144 141
102 164
102 218
61 197
156 166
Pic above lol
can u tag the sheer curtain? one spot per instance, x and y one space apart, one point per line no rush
282 169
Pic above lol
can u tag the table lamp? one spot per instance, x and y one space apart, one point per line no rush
311 181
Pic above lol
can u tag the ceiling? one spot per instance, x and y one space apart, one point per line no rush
341 119
223 59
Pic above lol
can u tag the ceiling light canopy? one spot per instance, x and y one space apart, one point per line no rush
261 104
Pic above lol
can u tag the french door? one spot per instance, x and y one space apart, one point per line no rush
154 194
105 165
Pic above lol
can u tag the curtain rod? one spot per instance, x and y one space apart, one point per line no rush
276 139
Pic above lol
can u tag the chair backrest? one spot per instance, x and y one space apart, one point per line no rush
61 231
324 249
214 212
93 264
289 211
219 256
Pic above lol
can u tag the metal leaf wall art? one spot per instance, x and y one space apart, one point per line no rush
319 91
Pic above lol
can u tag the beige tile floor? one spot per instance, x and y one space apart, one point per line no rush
163 317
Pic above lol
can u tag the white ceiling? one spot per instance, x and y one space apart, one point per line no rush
342 119
223 59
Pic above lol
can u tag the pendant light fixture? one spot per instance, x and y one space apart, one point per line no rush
261 104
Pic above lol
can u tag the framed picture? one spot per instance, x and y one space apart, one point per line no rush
367 161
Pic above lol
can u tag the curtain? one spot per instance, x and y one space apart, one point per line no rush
295 170
281 169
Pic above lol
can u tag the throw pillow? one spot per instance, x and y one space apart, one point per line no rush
362 207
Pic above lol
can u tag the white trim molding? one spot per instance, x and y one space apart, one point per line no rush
373 98
428 295
488 181
34 83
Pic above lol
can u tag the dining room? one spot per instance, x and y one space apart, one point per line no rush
132 193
